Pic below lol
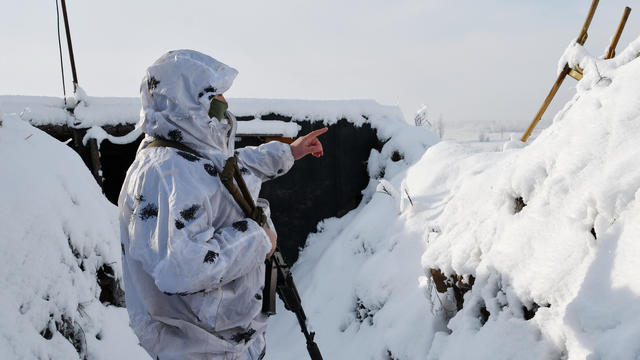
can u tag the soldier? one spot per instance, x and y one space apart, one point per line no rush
193 263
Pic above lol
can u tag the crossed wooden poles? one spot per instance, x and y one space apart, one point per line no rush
577 73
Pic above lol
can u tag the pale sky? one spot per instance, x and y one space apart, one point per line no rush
469 60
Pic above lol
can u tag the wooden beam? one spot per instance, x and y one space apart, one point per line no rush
577 73
582 37
96 169
546 102
614 42
285 140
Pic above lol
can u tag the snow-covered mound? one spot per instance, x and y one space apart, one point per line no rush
60 255
547 235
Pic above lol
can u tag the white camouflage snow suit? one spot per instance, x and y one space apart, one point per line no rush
193 263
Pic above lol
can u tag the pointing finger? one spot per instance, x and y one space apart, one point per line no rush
318 132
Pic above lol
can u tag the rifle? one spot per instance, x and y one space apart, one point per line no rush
278 278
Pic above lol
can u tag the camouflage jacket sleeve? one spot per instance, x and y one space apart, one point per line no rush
266 161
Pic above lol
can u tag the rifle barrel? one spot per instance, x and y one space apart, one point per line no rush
312 347
288 292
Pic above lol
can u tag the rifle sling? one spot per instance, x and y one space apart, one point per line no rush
159 142
245 201
242 197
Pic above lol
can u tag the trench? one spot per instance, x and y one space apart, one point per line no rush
313 190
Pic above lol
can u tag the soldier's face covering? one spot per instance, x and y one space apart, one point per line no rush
217 109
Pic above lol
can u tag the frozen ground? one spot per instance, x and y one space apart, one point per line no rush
548 232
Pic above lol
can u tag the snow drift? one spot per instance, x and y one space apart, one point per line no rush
547 234
60 258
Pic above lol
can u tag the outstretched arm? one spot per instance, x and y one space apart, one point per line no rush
273 159
266 161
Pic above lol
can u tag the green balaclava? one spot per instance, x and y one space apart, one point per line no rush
217 109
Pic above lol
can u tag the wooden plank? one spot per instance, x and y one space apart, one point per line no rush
576 73
285 140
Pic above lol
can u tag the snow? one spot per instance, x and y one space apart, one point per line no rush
58 231
556 278
365 280
95 112
329 112
38 110
268 127
89 220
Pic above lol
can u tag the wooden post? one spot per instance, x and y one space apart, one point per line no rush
95 161
577 72
582 37
614 42
69 45
546 103
93 143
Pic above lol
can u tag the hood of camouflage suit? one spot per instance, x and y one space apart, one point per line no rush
176 93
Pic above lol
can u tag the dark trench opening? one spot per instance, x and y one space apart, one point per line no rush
319 188
111 291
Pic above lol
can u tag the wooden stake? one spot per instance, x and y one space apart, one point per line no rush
577 73
95 161
71 57
614 42
582 37
546 103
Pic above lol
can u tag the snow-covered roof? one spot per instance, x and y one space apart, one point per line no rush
104 111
